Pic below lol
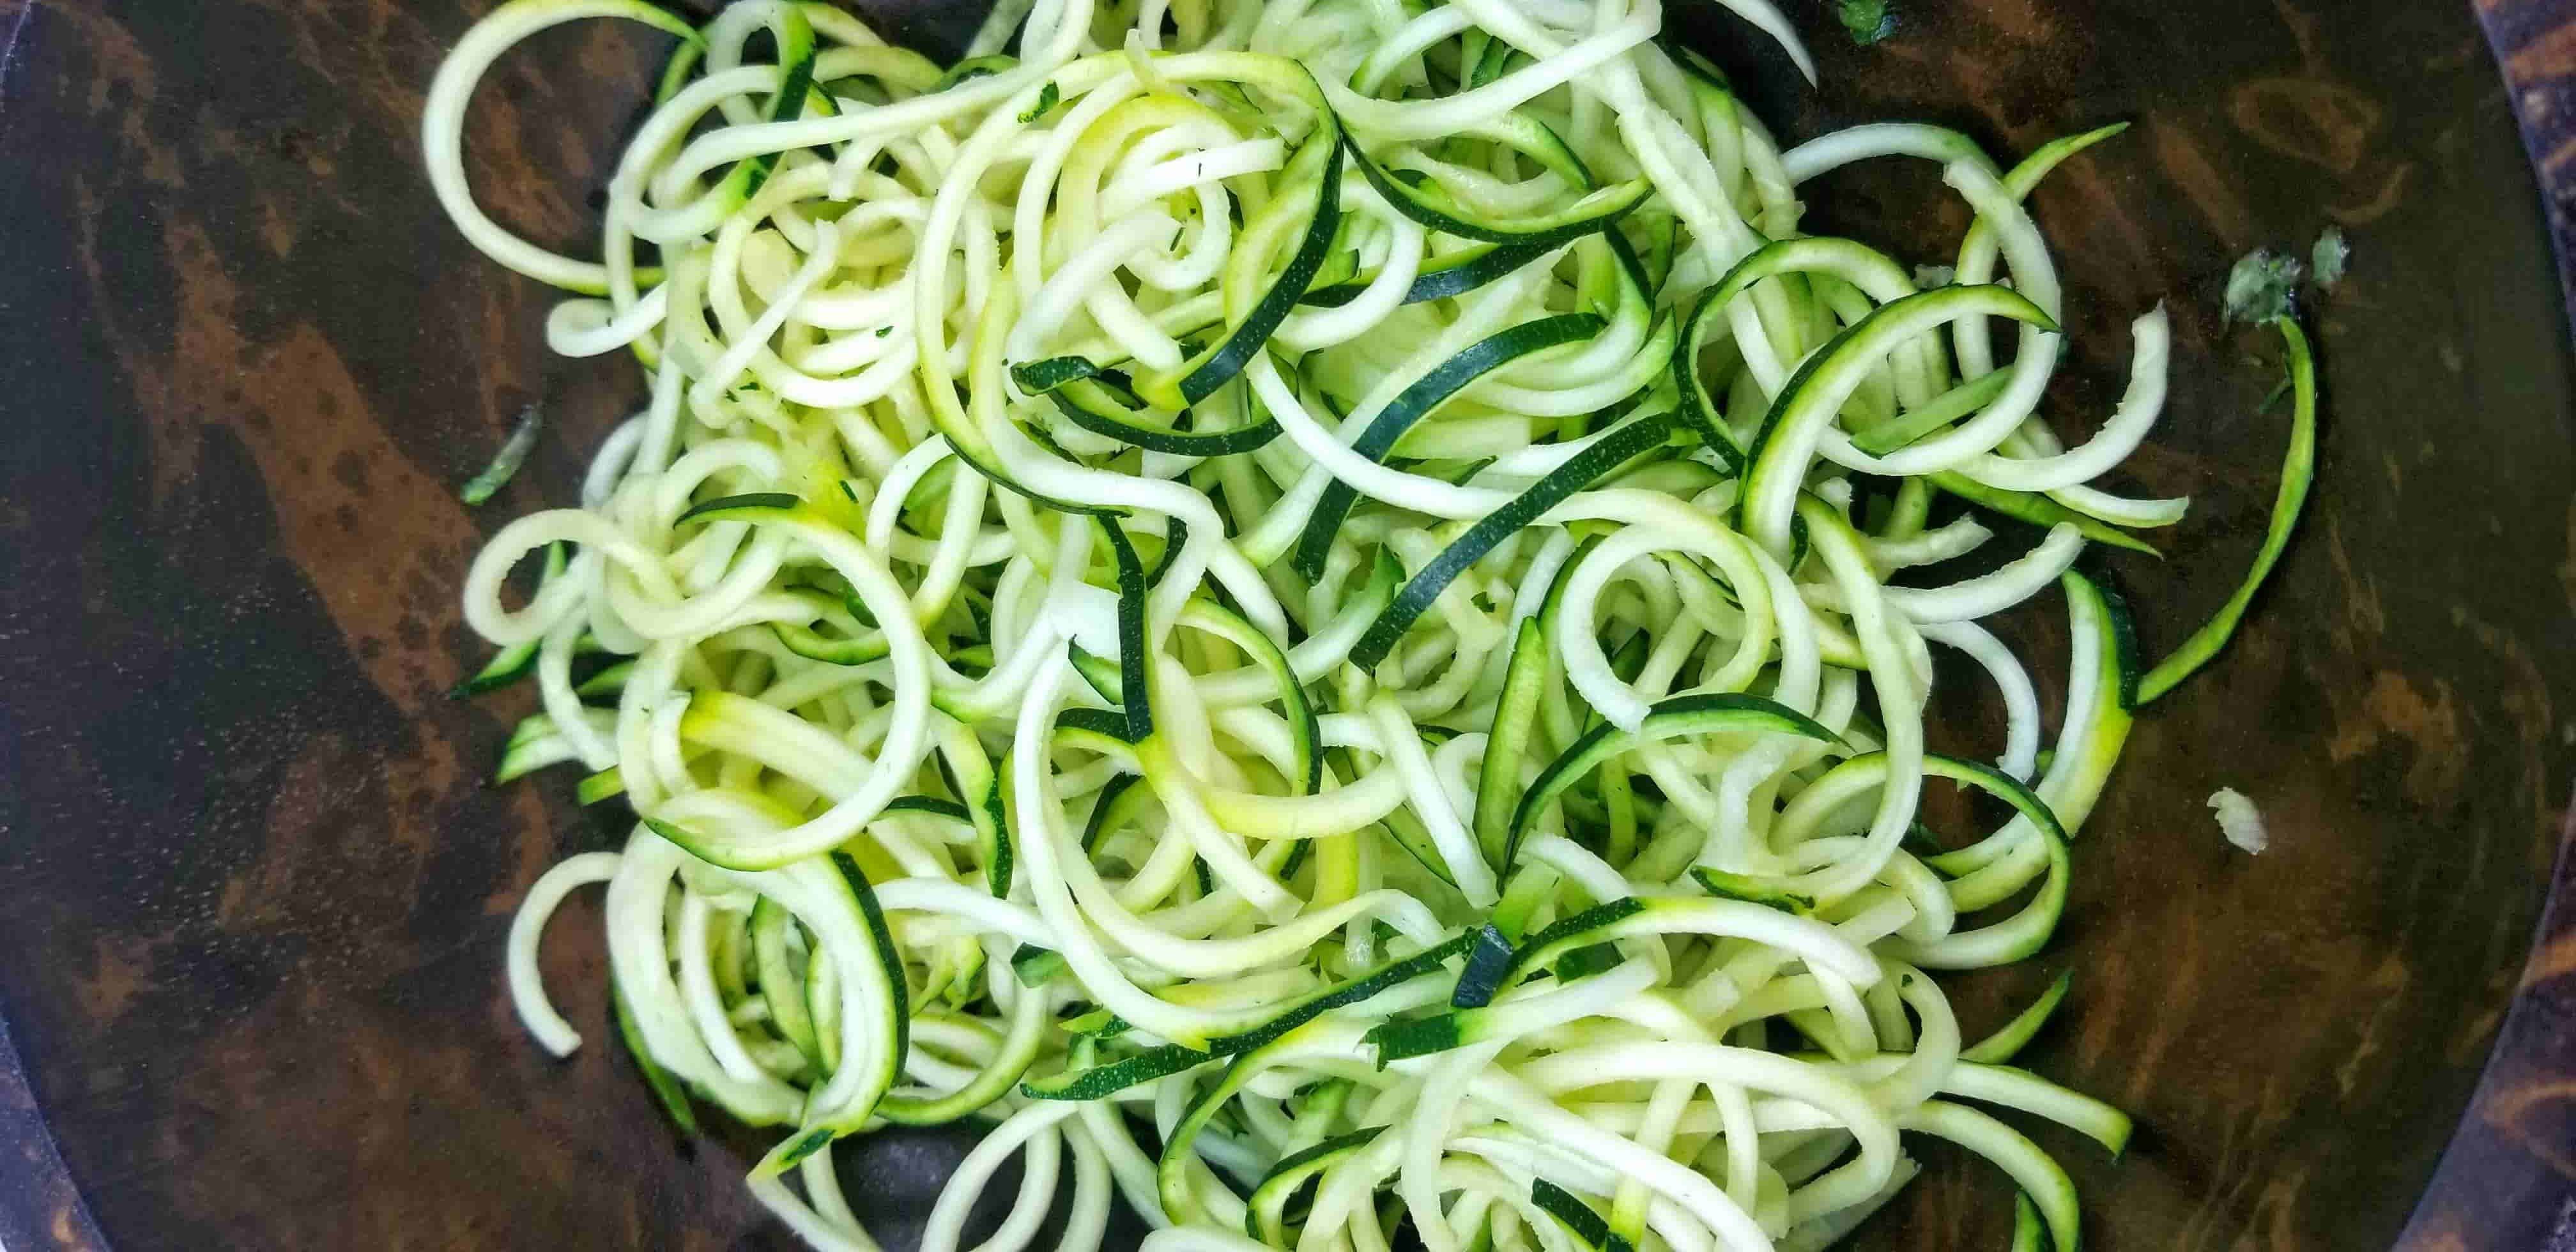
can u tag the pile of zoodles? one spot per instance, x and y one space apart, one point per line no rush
1290 605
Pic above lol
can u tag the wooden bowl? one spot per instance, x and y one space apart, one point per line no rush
253 886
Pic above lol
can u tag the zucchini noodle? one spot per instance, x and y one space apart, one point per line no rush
1315 576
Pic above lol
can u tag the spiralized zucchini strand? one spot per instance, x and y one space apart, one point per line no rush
1301 572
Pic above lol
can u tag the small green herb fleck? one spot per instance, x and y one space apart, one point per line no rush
1047 98
1869 21
883 331
2263 286
2329 258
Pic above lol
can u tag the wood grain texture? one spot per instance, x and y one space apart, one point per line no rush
2508 1179
253 889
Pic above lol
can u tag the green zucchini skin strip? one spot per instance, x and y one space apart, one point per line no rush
1101 1081
1042 377
2298 471
1097 722
780 986
1019 1050
2029 1234
2007 1042
1788 256
1408 832
1113 810
1579 1219
1697 408
1449 276
932 805
794 34
514 452
2006 1087
2116 695
1175 533
683 61
1265 1210
958 426
1584 962
788 105
2037 510
2072 801
1135 674
1958 402
518 661
1634 440
1606 922
1417 401
605 785
806 642
1533 885
708 509
1034 966
1104 1080
993 826
2026 932
1515 716
887 953
1680 715
1306 735
1101 674
1319 158
1727 886
1353 991
1597 211
1095 408
526 752
1090 398
607 683
2042 1180
975 67
668 1090
1780 454
816 1136
970 771
1482 977
1171 1170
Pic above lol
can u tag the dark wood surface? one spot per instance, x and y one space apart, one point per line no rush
2508 1179
253 889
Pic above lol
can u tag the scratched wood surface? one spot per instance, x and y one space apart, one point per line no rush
253 889
2508 1179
